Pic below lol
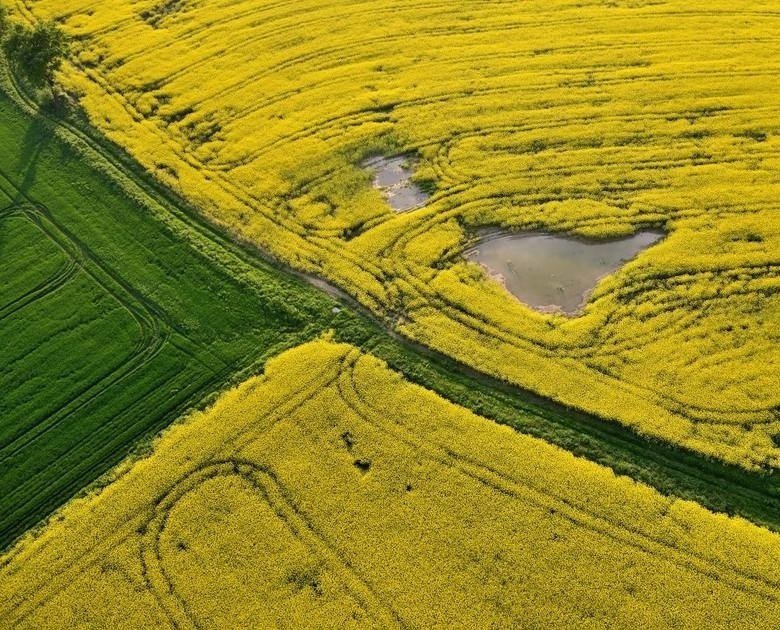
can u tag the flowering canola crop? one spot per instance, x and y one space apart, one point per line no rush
591 118
329 492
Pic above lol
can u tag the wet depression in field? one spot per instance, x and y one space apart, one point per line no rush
393 177
554 273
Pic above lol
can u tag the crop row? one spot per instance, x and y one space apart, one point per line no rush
331 492
111 322
593 120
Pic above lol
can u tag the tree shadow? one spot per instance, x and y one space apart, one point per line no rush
36 139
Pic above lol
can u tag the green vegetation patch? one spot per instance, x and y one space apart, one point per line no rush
111 322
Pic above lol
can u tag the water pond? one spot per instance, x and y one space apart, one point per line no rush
551 272
393 177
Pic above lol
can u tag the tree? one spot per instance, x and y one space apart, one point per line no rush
37 52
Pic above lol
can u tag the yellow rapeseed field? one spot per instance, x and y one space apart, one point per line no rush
331 493
596 118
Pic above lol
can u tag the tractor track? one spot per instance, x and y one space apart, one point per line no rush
672 470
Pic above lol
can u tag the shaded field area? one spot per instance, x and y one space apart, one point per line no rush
329 492
594 119
111 322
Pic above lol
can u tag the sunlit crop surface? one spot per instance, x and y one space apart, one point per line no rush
331 493
596 118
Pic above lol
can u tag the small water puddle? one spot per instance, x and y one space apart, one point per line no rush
555 273
393 177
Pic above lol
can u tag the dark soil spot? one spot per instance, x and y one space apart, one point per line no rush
304 578
348 439
178 116
167 169
755 134
363 465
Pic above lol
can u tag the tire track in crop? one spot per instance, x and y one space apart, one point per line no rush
340 61
648 280
153 336
267 485
399 105
96 551
543 498
154 333
476 323
245 197
61 277
338 51
392 108
295 27
692 412
240 194
154 325
255 104
116 429
197 29
242 114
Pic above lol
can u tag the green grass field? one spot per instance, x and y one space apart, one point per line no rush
111 322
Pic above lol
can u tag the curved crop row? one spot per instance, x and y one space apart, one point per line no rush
288 494
589 119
